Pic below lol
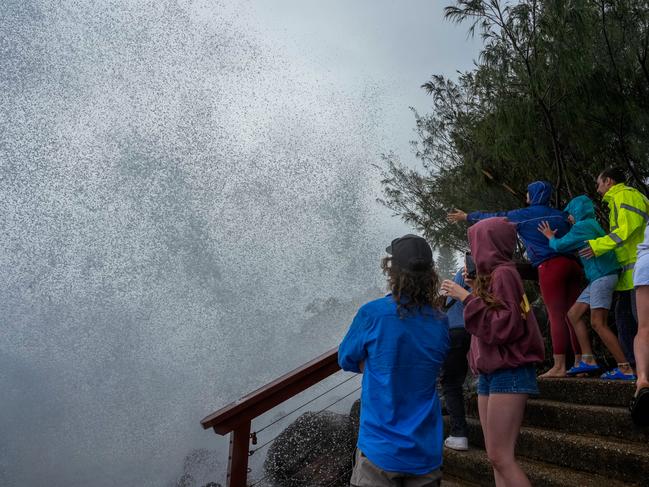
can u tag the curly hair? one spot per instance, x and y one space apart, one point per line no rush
421 288
481 289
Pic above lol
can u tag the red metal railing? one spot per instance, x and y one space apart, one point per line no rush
236 418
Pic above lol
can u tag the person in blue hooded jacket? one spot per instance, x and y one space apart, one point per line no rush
602 274
560 274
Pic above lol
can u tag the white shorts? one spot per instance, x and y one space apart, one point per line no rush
641 271
599 293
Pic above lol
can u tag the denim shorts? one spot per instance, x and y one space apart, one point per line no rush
519 380
599 293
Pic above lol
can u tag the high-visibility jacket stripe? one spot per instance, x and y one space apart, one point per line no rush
635 210
616 239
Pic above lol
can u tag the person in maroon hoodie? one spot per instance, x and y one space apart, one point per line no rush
506 343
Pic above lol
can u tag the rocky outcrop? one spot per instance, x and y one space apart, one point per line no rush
315 450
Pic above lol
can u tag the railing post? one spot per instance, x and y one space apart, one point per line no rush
238 459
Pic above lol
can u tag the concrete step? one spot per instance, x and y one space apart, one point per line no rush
606 421
449 481
608 457
609 421
473 466
592 391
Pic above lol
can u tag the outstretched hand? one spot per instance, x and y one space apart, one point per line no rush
456 215
587 252
544 228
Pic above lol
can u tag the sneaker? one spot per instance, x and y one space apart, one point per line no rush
617 374
460 443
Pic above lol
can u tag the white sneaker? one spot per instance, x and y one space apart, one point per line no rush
457 443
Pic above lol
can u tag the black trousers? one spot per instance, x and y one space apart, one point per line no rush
453 376
626 321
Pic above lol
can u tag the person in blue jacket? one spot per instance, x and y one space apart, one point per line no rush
602 274
455 369
560 274
399 343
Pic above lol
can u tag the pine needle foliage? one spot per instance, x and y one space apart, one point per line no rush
559 92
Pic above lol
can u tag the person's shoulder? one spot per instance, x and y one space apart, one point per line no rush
626 192
439 317
548 210
384 304
506 273
588 224
629 192
536 211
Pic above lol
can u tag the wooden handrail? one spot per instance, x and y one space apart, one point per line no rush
236 417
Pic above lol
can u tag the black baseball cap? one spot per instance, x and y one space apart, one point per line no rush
411 252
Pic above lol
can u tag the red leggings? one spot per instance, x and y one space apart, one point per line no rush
560 280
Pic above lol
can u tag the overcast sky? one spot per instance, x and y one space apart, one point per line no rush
392 45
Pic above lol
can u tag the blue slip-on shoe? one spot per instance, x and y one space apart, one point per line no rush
582 368
617 374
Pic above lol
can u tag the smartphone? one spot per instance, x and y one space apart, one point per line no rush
470 266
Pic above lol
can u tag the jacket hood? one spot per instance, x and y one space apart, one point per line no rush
581 208
492 243
540 192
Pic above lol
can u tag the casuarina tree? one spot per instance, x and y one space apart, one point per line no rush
560 91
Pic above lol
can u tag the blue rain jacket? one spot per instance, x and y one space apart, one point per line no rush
401 426
455 313
585 228
527 221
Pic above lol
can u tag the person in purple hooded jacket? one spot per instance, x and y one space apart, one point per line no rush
560 275
506 343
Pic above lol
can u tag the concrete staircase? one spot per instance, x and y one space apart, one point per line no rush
578 432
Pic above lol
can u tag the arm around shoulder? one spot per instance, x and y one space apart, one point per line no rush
575 239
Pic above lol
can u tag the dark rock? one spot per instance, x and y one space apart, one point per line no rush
315 450
355 416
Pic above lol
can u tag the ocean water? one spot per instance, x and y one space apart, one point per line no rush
187 213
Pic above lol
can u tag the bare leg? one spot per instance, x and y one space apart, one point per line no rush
599 322
558 369
504 419
641 342
575 316
483 408
483 403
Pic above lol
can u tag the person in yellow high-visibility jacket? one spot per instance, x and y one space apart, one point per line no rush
628 216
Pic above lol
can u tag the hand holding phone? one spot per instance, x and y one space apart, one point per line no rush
469 266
